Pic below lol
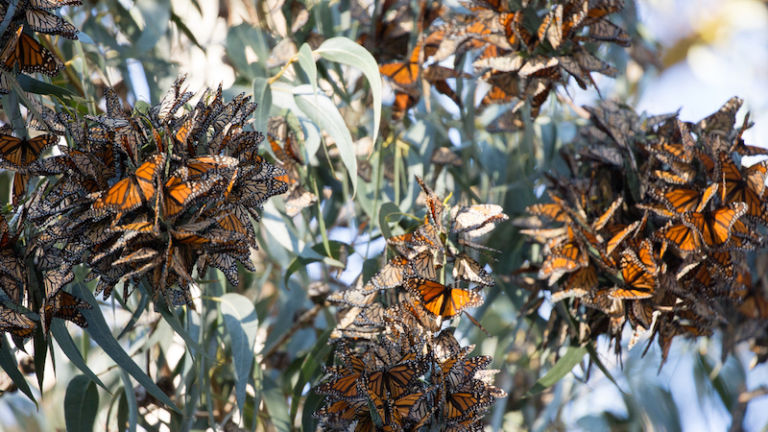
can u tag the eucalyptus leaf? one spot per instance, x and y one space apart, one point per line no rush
347 51
242 325
324 112
81 404
99 332
572 357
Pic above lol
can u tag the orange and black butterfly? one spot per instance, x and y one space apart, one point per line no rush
65 306
682 199
715 227
748 188
458 369
405 73
392 274
131 192
43 21
639 281
578 284
440 299
18 154
681 236
178 194
392 381
16 323
562 259
23 53
465 401
53 4
345 380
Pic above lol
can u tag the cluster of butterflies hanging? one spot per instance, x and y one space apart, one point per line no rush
656 225
397 370
144 199
21 52
27 305
520 51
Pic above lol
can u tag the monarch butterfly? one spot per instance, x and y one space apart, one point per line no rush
45 22
395 380
477 220
748 188
131 192
178 194
16 323
236 220
463 402
621 232
392 274
673 178
579 283
715 227
426 235
206 165
442 300
553 211
458 370
344 381
723 120
466 268
639 282
19 153
53 4
55 279
682 200
551 27
65 306
24 54
343 410
404 74
680 236
562 259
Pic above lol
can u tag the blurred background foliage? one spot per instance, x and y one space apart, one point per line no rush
319 95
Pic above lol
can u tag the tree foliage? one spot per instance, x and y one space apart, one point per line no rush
391 215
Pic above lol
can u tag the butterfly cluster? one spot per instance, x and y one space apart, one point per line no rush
406 68
22 297
525 51
398 368
656 226
21 53
520 51
146 199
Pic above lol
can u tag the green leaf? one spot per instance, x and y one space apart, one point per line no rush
347 51
99 331
276 405
67 345
387 209
81 404
572 357
31 85
320 109
8 365
130 398
308 65
309 368
242 325
262 95
175 324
